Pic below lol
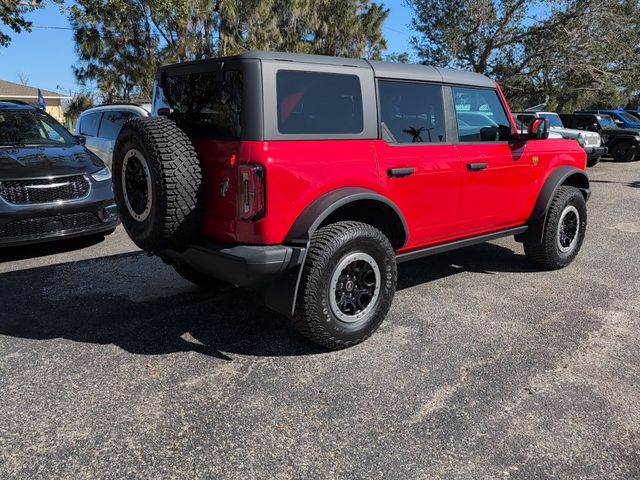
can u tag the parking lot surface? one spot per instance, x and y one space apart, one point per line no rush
112 366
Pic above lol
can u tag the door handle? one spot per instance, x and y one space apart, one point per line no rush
474 167
400 172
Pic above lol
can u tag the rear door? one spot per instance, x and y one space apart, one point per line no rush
497 173
418 165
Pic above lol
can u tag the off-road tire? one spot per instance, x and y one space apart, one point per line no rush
198 278
624 152
176 184
314 317
548 254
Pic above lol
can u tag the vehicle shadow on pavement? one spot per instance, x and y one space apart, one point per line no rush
486 258
11 254
140 305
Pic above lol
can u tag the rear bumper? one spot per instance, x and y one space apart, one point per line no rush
242 265
595 152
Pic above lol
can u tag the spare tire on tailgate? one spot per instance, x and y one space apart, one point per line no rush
157 184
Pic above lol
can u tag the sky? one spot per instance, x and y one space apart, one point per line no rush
46 55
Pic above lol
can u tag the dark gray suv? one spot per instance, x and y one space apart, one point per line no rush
51 186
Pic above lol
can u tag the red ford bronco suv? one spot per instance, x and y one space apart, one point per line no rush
309 178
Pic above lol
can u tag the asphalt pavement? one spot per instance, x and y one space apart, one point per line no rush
112 366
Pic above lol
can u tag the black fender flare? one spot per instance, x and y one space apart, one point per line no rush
560 176
281 294
320 209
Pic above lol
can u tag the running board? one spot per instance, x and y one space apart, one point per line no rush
466 242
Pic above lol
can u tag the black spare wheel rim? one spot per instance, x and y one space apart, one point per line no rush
355 287
568 229
136 185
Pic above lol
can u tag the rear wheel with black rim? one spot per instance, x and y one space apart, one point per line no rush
347 286
624 152
564 230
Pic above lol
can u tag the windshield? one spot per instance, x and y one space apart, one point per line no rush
606 121
554 119
31 127
628 117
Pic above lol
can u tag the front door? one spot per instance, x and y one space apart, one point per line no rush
419 168
497 171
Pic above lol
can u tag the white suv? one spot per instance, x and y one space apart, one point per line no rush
590 141
101 126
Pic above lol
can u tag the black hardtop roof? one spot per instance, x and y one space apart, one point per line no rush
400 71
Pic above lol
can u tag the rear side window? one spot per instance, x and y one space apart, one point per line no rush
318 103
89 124
207 104
112 122
480 115
411 112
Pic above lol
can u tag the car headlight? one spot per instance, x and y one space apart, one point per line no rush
102 175
581 140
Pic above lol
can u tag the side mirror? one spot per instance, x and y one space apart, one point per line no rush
82 140
539 129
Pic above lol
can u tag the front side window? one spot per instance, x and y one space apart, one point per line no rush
411 112
89 124
318 103
112 122
480 115
31 128
206 104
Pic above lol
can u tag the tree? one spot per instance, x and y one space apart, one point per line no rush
78 104
471 34
12 15
120 42
115 47
23 78
568 53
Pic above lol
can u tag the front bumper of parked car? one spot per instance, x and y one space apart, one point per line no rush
595 152
94 213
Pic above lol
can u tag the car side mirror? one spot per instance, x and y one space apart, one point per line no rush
539 129
82 140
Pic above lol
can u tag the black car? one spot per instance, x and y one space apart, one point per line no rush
51 186
623 143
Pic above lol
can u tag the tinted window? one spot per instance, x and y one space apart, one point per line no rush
318 103
586 122
523 121
112 122
89 124
411 112
207 104
480 115
30 127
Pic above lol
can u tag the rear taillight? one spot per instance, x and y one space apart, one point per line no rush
250 191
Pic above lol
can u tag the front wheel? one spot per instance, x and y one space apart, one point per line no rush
347 286
564 230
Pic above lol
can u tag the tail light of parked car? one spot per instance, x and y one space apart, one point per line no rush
250 191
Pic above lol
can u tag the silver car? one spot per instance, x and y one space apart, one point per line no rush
101 126
590 141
